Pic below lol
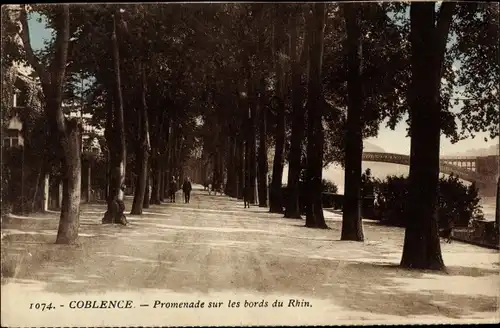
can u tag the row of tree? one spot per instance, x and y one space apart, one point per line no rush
309 81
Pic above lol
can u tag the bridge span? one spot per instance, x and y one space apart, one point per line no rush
481 170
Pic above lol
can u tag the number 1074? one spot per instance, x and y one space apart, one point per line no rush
41 306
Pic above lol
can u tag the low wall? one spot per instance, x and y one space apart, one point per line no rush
481 233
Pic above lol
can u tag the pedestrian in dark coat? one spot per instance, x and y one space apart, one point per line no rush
173 189
186 188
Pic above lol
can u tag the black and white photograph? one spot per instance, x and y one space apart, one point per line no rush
250 163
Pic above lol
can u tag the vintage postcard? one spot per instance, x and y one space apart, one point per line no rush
249 164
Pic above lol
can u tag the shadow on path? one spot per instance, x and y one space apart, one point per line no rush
212 244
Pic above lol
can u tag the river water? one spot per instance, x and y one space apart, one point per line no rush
381 171
488 204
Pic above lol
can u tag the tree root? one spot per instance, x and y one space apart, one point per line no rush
114 214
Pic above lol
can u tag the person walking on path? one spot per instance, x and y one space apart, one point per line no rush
247 192
186 188
173 189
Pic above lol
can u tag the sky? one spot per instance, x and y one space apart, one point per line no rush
397 142
392 141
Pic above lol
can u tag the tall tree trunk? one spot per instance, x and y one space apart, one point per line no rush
422 249
143 149
217 178
240 158
315 104
141 180
89 181
147 190
171 154
120 122
156 170
35 200
228 160
275 194
116 141
260 115
178 162
262 153
58 194
292 209
155 182
204 155
252 158
112 185
173 163
46 192
163 185
231 185
246 170
159 181
72 168
166 157
222 167
66 131
108 170
352 228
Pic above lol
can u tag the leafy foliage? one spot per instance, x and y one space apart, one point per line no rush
458 204
329 186
201 59
477 29
385 75
471 71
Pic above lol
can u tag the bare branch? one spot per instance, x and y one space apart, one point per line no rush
443 26
33 60
58 66
441 36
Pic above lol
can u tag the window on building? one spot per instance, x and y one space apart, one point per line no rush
11 142
21 100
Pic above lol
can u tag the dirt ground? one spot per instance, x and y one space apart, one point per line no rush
214 250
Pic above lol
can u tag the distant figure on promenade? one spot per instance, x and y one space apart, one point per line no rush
173 189
216 187
247 191
186 188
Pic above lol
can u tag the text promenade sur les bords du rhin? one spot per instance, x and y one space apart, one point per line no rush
157 304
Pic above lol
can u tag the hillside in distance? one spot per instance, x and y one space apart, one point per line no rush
369 147
488 151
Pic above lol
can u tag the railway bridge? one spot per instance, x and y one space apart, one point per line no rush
482 170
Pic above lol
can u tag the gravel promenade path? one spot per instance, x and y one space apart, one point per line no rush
240 263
